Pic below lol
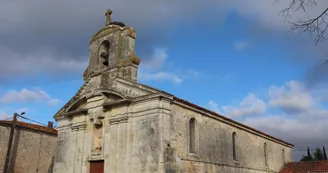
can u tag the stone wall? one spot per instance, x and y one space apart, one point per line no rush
214 145
132 138
32 151
151 135
72 144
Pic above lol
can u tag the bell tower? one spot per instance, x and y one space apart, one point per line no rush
112 51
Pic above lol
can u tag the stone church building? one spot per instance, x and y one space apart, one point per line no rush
114 124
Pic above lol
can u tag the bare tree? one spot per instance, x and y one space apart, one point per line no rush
315 26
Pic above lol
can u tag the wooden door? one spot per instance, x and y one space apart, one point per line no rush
97 166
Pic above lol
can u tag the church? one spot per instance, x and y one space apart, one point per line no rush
113 124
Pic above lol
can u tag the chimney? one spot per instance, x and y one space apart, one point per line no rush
50 124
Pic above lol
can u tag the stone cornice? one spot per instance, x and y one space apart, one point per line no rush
96 157
109 105
158 95
72 113
153 111
79 126
117 120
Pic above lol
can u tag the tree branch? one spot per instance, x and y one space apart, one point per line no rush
316 26
296 5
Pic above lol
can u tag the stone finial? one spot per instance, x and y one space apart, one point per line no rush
107 14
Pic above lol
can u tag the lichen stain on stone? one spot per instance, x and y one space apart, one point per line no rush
148 144
173 163
61 147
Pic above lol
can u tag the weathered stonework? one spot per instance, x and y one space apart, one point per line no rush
214 145
32 150
135 128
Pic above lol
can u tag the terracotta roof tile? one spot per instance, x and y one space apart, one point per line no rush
228 119
306 167
32 126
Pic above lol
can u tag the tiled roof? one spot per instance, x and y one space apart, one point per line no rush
228 119
306 167
32 126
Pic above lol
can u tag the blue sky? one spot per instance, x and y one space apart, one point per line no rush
236 58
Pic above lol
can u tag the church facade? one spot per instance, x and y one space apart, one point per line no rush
114 124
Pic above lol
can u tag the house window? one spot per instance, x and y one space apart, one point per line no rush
265 154
234 150
192 138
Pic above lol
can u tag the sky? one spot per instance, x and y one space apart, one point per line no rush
233 57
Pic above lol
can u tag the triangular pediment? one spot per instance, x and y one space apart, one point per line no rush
120 89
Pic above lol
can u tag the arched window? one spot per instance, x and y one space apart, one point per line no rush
265 154
192 137
234 150
283 155
104 54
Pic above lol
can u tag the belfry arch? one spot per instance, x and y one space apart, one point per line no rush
104 54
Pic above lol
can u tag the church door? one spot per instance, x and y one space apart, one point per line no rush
97 167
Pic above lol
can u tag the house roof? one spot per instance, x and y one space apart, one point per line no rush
306 167
32 126
228 119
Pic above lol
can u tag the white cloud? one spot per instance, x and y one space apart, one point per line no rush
294 98
251 105
302 119
290 128
241 45
26 95
291 99
54 102
154 69
157 61
301 132
160 77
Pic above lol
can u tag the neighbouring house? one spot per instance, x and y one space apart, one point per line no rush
33 147
114 124
306 167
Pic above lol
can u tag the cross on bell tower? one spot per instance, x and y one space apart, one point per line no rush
108 18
